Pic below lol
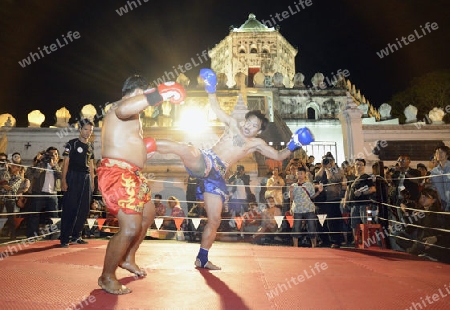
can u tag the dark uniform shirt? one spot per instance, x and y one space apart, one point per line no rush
80 155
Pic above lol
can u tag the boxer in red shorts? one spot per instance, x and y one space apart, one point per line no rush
125 190
123 186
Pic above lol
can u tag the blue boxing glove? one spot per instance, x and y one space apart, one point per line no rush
301 137
209 77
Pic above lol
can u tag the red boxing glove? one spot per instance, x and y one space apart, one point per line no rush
172 91
150 145
169 91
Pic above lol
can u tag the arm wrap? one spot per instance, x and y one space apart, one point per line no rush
153 98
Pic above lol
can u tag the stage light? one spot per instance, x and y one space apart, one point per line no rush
193 119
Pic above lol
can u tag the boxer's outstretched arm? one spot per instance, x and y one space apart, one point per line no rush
131 106
270 152
215 106
301 137
169 91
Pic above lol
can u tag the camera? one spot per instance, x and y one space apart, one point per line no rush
46 158
325 161
406 199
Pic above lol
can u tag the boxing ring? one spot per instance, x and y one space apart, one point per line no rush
42 275
39 274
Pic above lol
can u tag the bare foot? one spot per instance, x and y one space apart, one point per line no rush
208 265
133 268
113 286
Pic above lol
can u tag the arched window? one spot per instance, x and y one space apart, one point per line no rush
253 49
311 113
241 49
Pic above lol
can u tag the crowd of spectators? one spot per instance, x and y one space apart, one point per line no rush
350 195
412 204
12 185
31 196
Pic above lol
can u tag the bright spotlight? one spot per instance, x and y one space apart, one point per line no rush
193 119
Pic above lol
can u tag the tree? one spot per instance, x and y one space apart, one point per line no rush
425 93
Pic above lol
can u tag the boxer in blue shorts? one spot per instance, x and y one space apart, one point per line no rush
237 141
213 179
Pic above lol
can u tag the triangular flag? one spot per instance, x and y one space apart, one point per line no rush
100 223
238 220
91 222
158 222
322 218
178 222
290 219
232 223
55 220
196 222
2 222
17 221
279 219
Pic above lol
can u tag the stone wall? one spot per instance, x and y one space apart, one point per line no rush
388 134
29 141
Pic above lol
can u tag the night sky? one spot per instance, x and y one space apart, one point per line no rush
155 36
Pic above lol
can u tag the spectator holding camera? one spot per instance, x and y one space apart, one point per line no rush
331 176
43 176
240 190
